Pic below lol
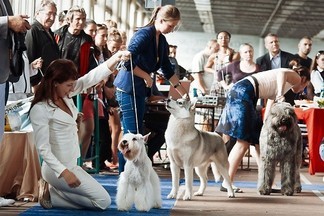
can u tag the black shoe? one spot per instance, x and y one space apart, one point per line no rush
275 190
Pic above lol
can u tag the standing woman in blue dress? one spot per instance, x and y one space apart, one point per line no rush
149 52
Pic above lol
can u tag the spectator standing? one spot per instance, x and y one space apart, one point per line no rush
90 28
203 79
317 74
220 59
73 42
237 70
114 43
40 40
178 69
304 48
62 18
8 24
276 58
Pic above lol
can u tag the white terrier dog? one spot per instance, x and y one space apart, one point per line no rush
190 148
139 183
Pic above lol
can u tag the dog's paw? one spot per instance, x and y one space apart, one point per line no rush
265 191
172 195
287 192
186 196
142 208
123 208
231 194
199 193
298 189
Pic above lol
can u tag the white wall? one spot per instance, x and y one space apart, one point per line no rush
189 43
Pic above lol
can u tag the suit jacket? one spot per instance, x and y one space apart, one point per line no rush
55 131
265 63
4 40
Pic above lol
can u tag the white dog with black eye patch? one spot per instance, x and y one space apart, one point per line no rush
190 148
139 183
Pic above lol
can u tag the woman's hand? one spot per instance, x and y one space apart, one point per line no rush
148 80
70 178
37 63
280 98
116 58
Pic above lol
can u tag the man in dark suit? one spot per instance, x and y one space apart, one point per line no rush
276 58
8 23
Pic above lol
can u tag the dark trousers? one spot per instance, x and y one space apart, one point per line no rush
105 142
156 123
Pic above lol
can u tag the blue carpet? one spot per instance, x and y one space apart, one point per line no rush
109 183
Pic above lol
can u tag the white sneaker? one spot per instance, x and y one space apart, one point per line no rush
6 202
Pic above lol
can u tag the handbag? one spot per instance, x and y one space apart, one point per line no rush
16 58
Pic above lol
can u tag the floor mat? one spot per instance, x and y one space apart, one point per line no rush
109 182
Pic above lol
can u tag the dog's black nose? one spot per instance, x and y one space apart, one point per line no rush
124 142
168 100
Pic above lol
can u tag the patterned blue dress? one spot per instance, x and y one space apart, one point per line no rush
240 119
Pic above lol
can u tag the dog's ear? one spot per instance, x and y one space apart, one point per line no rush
145 137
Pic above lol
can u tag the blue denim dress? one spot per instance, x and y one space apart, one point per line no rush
240 119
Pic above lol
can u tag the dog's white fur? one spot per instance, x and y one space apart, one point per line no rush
190 148
139 183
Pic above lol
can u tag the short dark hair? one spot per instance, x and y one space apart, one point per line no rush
223 31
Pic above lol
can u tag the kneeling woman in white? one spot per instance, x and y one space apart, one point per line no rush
53 116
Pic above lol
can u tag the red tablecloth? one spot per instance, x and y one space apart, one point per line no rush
314 119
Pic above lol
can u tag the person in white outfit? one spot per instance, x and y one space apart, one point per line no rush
53 115
317 74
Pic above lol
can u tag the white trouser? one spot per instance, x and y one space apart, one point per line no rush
90 194
2 108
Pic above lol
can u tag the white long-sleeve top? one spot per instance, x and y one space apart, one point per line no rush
317 80
55 131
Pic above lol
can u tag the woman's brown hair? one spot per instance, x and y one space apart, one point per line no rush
59 71
301 70
166 12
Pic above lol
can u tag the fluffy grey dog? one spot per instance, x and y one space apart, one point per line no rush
280 142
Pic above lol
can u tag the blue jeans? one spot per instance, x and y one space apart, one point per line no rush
128 119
